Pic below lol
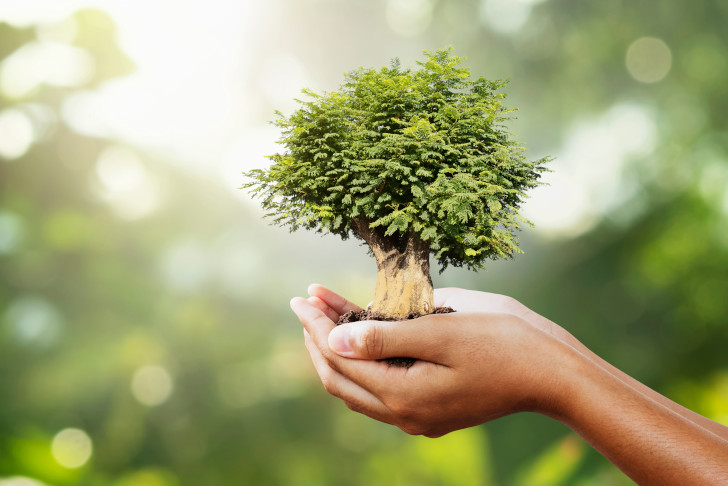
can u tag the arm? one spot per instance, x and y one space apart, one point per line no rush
495 357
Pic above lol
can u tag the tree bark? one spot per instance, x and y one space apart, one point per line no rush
404 286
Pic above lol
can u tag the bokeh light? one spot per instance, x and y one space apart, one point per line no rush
72 448
409 18
151 385
648 59
20 481
11 231
506 16
16 133
44 62
126 183
33 321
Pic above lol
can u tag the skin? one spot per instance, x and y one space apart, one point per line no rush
494 357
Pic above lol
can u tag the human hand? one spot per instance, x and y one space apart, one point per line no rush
484 361
494 357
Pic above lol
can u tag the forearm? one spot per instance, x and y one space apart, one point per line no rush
710 425
714 427
649 441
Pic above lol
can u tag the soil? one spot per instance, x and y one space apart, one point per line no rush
367 315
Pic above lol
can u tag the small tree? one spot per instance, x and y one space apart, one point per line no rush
412 162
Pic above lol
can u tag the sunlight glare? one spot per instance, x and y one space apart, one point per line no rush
126 183
186 96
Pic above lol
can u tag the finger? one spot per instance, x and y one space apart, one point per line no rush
324 307
318 326
442 296
461 300
335 301
374 376
356 397
315 321
428 338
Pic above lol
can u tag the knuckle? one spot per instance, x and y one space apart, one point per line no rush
331 360
328 383
371 341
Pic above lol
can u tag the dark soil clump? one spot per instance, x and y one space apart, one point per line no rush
367 315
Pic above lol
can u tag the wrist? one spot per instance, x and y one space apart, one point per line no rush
567 375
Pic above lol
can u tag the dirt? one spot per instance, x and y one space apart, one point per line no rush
367 315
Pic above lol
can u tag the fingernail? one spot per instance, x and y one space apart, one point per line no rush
340 340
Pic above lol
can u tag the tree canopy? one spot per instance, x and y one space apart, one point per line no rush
404 150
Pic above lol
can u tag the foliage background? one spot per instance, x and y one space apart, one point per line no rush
145 337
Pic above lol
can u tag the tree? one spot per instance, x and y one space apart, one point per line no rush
412 162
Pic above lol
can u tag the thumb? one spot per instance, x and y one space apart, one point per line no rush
388 339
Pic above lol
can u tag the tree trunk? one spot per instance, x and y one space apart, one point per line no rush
404 285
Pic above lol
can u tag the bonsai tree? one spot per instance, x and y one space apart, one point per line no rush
412 162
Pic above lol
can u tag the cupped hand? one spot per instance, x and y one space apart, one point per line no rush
484 361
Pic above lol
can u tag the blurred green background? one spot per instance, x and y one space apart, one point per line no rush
145 335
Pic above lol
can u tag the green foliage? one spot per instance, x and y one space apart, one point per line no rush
407 150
